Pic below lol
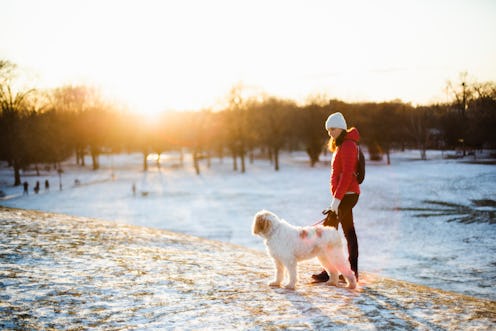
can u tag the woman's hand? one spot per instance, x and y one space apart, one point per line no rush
335 205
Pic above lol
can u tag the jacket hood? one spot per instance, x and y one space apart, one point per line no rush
353 134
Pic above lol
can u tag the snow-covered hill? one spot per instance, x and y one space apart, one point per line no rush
62 272
453 251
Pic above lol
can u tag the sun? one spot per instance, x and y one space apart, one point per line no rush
142 102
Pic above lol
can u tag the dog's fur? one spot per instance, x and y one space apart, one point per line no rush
288 244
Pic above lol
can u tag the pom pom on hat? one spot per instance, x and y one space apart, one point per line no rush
336 120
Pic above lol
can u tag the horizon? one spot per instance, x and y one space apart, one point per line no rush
156 56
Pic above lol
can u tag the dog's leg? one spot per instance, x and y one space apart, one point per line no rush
341 265
348 274
291 267
350 279
279 273
330 269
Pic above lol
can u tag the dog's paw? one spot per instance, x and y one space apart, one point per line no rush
332 283
349 286
274 284
352 284
289 286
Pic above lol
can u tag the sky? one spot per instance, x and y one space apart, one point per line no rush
178 55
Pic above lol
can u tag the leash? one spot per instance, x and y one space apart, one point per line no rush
319 222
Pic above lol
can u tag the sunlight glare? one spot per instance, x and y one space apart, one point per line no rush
153 157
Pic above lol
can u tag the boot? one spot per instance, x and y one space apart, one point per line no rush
321 277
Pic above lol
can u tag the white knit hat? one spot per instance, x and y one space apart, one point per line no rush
336 120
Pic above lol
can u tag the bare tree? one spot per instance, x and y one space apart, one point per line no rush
14 106
419 129
90 112
272 123
311 131
236 127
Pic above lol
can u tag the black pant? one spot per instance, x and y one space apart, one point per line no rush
345 217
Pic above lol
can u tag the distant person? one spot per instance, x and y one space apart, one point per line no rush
133 188
26 187
37 187
47 185
345 189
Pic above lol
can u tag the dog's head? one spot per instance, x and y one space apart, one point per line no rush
263 223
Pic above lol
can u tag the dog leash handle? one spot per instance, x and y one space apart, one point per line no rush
328 213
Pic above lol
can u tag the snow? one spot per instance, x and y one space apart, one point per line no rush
60 272
220 204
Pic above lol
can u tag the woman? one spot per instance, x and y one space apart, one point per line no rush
345 189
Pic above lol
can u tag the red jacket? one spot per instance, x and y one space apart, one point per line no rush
343 166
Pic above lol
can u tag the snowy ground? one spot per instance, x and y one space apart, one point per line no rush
59 272
219 204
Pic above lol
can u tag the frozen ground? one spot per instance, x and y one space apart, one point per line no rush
59 272
454 255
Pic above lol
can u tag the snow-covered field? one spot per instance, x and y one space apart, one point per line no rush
220 203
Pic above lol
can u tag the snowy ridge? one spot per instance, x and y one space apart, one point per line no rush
64 272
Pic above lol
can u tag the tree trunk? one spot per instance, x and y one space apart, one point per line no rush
80 156
276 159
196 163
17 174
313 153
242 156
77 156
145 161
235 161
423 153
158 160
181 157
221 155
388 153
94 159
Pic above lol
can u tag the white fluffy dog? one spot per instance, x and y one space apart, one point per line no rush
288 244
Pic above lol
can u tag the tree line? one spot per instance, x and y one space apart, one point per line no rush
47 127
